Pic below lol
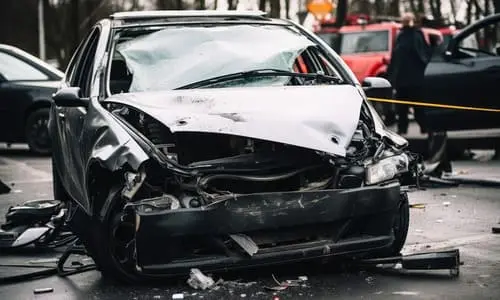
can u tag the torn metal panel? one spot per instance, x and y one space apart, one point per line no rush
176 56
320 214
322 118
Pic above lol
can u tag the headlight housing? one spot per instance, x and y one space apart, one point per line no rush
387 168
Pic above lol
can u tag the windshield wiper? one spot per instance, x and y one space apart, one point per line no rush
317 77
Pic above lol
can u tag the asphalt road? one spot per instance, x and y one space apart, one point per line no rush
453 217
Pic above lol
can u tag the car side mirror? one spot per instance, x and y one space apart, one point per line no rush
70 97
377 87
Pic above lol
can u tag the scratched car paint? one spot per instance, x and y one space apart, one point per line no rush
250 162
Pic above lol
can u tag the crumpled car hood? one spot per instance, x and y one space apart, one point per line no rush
321 118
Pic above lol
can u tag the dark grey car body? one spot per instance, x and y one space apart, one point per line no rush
26 90
165 163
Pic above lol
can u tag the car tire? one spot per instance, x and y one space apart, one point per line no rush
100 240
37 133
401 225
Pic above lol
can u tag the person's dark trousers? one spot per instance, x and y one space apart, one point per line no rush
411 93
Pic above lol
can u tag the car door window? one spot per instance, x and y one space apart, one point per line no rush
81 75
13 68
482 42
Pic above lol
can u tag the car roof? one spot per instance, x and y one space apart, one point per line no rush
154 14
368 27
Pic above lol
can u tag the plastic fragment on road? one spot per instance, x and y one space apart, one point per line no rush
198 280
283 285
439 221
406 293
418 205
43 290
495 229
446 203
178 296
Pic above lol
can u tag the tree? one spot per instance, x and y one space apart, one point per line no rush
287 9
394 8
232 4
380 7
496 5
262 5
275 8
169 4
201 5
436 9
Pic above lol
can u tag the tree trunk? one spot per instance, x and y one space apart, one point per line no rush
262 5
380 7
201 5
394 8
75 17
232 4
469 12
275 9
413 6
496 4
421 7
287 9
364 7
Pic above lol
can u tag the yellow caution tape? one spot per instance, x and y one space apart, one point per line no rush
434 105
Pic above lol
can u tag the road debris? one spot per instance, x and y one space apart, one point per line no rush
370 280
446 203
406 293
419 230
439 221
178 296
43 290
198 280
283 285
495 229
418 205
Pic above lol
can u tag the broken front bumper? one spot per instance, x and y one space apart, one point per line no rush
281 227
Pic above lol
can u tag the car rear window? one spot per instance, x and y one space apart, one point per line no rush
364 42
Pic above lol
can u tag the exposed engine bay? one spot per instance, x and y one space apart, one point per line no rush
215 165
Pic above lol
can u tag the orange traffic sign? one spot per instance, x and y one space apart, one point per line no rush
320 8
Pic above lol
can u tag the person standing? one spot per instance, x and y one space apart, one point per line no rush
409 58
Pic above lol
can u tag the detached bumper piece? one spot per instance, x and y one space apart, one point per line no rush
266 228
440 260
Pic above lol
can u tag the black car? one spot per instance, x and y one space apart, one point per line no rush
26 87
222 140
466 73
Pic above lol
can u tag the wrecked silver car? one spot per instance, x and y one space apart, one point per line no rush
222 140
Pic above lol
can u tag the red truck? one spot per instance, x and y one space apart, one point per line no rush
366 45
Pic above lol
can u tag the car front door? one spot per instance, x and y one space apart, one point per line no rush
69 120
468 74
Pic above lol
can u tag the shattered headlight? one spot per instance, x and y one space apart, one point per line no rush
387 168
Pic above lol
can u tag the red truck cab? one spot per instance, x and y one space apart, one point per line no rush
366 47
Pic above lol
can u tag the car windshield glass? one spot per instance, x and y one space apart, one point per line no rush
177 56
365 41
13 68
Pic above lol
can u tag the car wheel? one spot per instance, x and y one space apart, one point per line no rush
401 225
37 133
111 242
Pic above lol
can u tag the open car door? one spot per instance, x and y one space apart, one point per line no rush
467 73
